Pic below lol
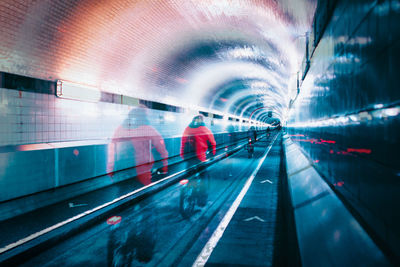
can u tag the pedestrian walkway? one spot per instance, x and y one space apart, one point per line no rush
250 236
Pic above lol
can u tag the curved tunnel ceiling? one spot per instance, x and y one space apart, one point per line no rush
224 55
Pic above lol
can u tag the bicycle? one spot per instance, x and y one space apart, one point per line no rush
128 242
193 193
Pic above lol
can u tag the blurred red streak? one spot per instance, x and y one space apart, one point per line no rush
340 184
360 150
328 141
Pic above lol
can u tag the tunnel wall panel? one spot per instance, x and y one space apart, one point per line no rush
75 135
346 118
22 173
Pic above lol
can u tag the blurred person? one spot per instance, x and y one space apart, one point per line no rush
252 138
229 147
134 240
231 135
252 133
143 137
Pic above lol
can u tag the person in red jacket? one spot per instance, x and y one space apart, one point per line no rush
143 138
196 138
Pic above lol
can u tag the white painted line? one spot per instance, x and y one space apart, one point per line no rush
219 231
269 181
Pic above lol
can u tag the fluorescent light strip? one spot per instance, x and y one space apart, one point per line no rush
219 231
77 92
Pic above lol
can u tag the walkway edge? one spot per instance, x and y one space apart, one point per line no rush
327 233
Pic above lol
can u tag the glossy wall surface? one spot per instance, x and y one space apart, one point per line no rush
346 118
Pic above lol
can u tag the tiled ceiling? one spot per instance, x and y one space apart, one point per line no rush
233 56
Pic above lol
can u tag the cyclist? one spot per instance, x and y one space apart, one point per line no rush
252 137
252 133
196 138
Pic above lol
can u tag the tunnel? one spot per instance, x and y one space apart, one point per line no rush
199 133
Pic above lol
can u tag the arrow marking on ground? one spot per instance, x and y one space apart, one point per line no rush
269 181
72 205
254 218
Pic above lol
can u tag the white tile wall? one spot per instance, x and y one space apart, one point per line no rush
37 118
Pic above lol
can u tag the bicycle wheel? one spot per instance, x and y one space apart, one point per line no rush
118 256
